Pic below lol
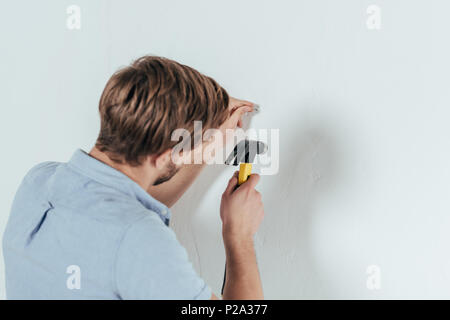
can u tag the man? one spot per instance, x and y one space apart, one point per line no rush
96 227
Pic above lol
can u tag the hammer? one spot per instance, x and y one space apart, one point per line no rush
244 153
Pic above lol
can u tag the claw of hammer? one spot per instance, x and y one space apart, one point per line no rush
244 153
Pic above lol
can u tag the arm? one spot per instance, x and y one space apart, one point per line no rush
243 280
241 212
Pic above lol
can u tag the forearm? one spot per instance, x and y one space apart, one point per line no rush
170 191
243 281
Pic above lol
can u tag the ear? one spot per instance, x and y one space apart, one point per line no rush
162 159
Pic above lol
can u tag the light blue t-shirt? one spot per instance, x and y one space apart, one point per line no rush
83 230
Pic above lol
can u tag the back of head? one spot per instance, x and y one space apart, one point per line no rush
143 103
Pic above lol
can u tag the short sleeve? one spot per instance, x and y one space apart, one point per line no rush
152 264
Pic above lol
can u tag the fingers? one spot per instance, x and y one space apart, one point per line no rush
236 103
237 114
241 105
252 181
232 183
239 111
258 195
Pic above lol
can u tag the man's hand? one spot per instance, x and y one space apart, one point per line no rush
237 109
241 210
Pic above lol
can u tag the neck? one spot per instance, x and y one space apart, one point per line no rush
142 175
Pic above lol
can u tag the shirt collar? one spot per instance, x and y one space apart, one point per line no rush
113 178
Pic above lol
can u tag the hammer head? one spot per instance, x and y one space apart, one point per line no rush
245 152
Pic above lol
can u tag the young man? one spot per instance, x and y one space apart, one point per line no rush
96 227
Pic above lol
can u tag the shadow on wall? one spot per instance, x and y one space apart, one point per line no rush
309 168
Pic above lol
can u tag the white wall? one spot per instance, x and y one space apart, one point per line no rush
363 118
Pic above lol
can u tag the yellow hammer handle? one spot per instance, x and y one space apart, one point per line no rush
245 169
